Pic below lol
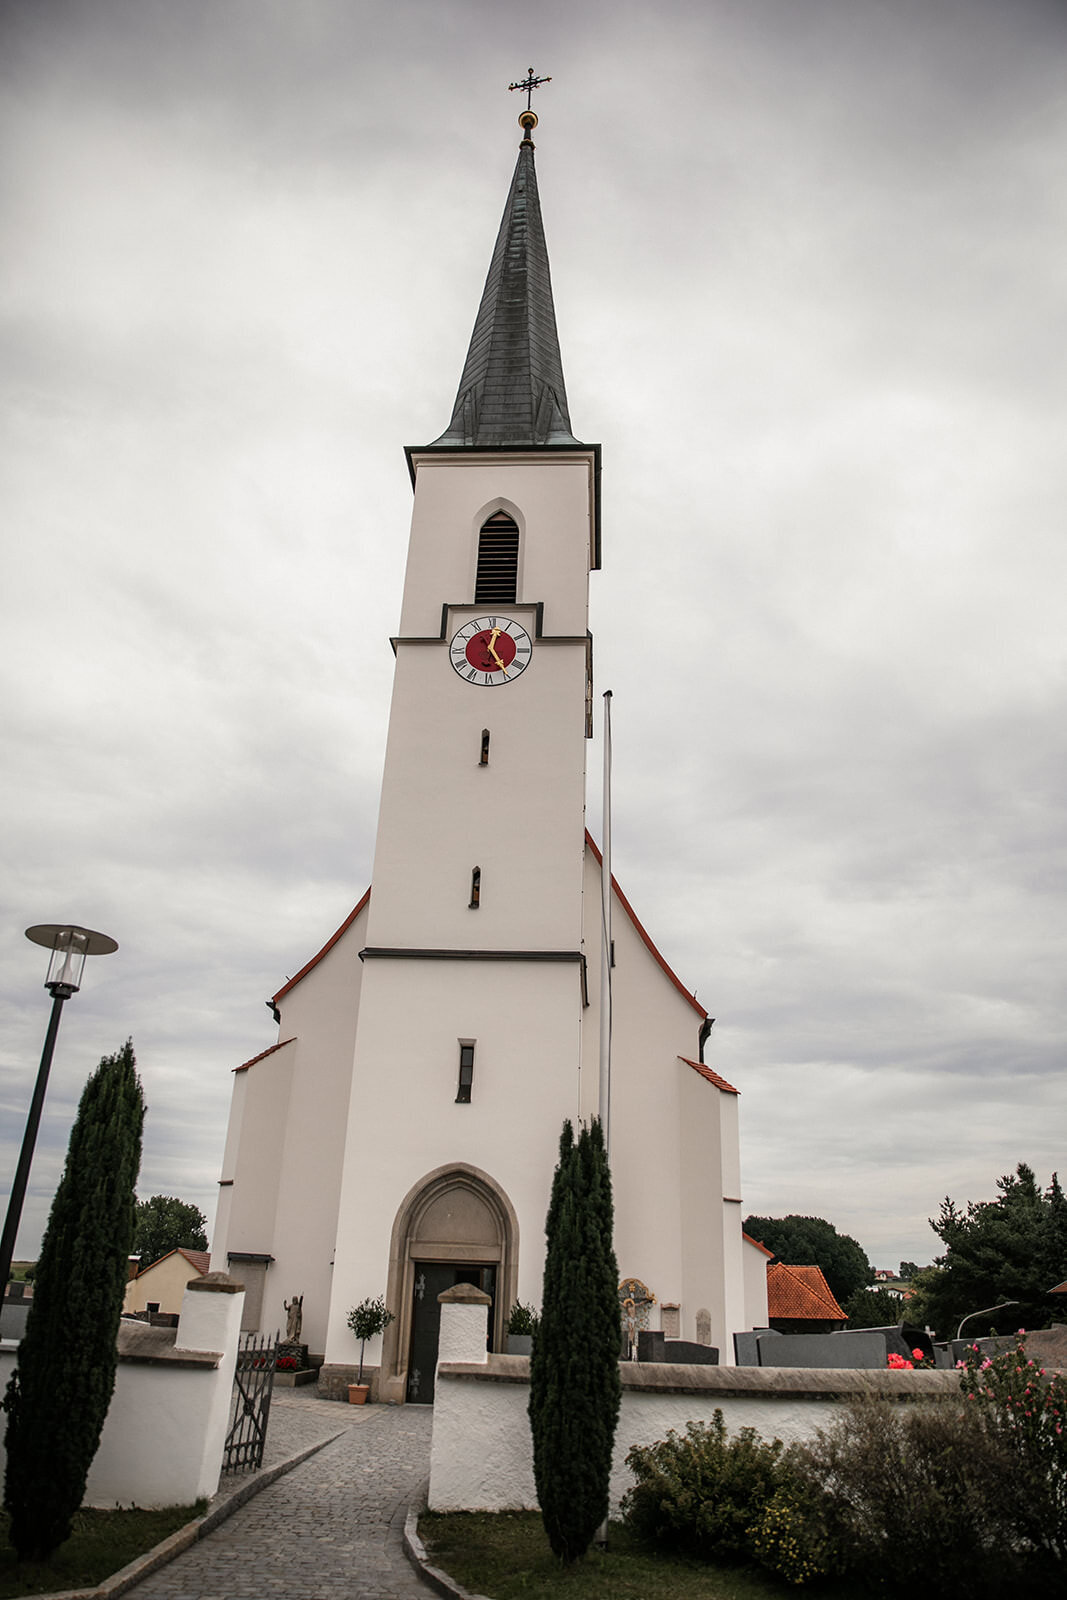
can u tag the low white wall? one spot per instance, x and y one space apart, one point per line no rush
165 1430
482 1457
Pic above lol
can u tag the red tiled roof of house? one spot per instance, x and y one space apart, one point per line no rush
199 1260
796 1293
327 947
712 1077
263 1054
631 913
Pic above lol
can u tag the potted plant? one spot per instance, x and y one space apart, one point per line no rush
367 1320
523 1323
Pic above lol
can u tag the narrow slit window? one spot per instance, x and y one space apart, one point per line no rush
497 578
466 1075
476 888
483 759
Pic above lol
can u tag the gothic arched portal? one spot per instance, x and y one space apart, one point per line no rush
458 1222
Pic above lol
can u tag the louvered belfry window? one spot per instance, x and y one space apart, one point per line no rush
498 561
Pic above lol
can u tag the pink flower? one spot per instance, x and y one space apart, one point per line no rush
918 1355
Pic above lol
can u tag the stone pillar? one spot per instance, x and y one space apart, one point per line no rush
211 1313
464 1324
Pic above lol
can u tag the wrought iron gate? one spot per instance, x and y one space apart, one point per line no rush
253 1382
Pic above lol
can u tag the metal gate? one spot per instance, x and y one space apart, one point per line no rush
253 1382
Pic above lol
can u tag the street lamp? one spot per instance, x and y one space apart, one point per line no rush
69 946
985 1312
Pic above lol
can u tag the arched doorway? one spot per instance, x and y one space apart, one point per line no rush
456 1225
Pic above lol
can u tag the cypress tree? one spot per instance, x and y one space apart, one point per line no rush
58 1397
574 1370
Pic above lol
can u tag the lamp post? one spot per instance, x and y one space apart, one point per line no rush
69 946
984 1312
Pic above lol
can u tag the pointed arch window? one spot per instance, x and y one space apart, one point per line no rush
498 561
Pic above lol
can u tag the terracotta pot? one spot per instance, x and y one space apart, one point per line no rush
357 1393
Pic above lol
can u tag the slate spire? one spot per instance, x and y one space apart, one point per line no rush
511 391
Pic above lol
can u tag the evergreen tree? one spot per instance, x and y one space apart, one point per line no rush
575 1388
166 1223
59 1395
1010 1248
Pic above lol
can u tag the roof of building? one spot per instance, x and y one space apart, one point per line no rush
646 940
199 1260
800 1293
756 1244
327 947
712 1077
512 391
263 1054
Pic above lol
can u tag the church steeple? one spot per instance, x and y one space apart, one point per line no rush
511 391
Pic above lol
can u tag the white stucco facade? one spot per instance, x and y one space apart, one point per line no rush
358 1161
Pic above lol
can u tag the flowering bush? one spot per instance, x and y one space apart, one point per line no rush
901 1364
1027 1406
287 1364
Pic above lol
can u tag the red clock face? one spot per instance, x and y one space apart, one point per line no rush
492 650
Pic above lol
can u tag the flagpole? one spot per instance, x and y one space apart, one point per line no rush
605 938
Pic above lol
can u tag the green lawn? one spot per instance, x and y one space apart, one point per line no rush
506 1556
102 1543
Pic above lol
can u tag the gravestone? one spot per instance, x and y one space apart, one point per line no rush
652 1346
858 1349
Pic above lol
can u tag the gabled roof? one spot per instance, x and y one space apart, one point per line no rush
511 391
199 1260
712 1077
631 913
756 1245
800 1293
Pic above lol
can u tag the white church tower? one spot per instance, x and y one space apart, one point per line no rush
401 1136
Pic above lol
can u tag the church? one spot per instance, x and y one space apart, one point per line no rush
401 1135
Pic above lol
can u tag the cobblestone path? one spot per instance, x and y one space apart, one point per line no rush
330 1528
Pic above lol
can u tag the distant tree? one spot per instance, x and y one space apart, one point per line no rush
1010 1248
908 1269
575 1388
165 1223
58 1396
813 1242
875 1308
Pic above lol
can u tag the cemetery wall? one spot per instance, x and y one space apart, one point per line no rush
166 1426
482 1457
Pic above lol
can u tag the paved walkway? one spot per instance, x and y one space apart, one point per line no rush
330 1528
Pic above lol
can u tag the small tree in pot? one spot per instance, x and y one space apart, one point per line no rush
367 1321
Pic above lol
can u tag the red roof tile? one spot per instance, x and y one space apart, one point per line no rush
712 1077
200 1259
631 913
263 1054
796 1293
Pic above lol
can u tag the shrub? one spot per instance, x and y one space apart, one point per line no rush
791 1538
1027 1409
926 1495
523 1320
703 1493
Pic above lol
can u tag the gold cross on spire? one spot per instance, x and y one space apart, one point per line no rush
529 83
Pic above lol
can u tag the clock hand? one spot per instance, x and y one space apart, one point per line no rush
493 637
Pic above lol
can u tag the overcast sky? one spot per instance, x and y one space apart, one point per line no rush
808 262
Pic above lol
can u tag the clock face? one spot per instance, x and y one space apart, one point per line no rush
488 651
